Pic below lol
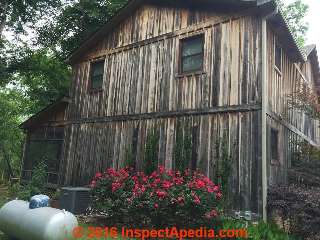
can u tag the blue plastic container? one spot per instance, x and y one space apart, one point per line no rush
39 201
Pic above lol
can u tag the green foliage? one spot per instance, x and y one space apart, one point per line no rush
295 13
11 108
16 14
129 158
162 199
151 152
37 185
257 231
182 148
76 23
43 76
223 169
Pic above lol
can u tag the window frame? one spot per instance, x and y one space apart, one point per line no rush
92 63
180 60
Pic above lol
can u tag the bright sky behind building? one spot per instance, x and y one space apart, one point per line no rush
313 18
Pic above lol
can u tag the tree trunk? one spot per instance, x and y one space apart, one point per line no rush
3 15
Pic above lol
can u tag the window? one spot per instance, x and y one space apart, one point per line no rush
274 145
278 53
97 70
191 54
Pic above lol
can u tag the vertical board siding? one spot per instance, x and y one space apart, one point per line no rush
144 79
141 76
284 85
94 147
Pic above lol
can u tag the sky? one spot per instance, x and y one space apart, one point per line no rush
313 18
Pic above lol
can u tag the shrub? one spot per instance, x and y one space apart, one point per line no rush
298 208
162 199
34 187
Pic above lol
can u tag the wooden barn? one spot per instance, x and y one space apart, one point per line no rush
180 82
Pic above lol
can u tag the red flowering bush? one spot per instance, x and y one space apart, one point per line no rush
162 199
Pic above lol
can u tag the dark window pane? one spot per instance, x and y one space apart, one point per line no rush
278 57
193 63
96 82
192 47
97 70
191 54
274 144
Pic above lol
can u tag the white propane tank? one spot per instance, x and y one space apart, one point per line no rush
17 220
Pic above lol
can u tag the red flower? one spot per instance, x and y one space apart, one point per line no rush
200 184
180 200
213 213
116 186
93 184
153 175
178 180
196 199
161 169
134 178
161 194
157 180
170 173
216 188
156 206
153 185
111 172
142 189
98 175
218 195
166 184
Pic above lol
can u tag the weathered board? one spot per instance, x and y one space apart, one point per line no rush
93 147
144 78
284 85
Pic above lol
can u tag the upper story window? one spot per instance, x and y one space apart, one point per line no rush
96 77
274 140
191 54
278 57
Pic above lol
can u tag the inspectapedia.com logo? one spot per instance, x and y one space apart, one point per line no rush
166 233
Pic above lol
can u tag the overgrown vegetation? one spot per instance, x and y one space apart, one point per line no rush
151 152
223 169
37 185
297 205
182 147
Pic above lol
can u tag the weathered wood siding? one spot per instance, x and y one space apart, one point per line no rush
143 92
93 147
143 78
293 78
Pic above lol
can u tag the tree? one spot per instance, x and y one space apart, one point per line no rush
43 76
15 14
12 108
75 23
295 13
